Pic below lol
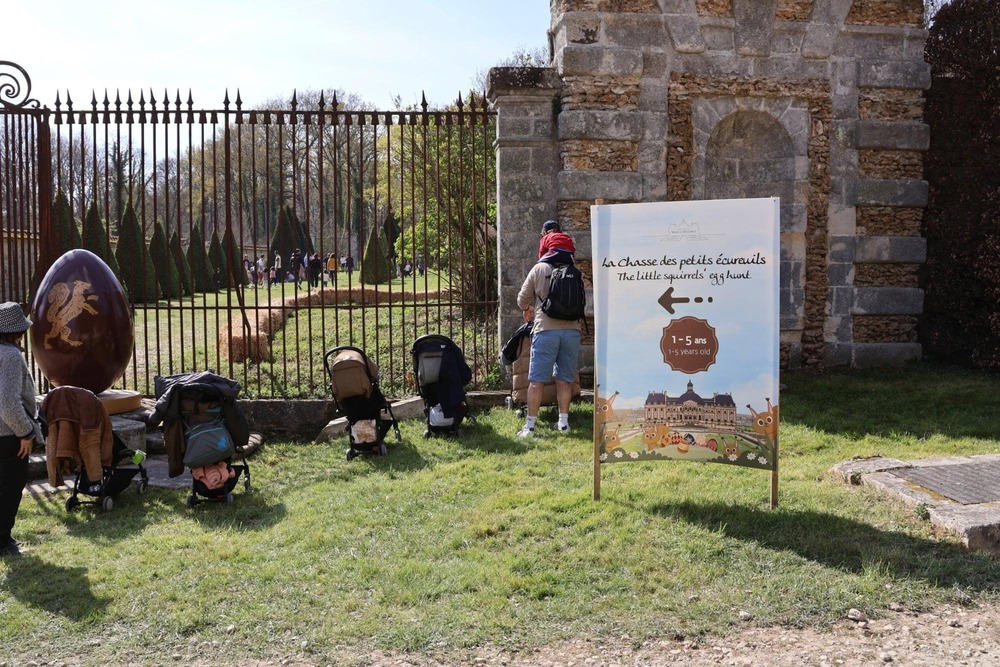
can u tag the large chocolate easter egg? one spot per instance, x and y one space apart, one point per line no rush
81 332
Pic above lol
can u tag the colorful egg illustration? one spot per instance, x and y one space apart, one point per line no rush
82 331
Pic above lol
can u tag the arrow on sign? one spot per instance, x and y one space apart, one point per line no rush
668 300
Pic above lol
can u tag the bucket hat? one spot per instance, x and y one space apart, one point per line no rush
12 319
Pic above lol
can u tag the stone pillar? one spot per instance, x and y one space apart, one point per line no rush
526 100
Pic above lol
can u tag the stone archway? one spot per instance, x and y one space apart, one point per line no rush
749 154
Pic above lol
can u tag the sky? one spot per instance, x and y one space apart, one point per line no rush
376 49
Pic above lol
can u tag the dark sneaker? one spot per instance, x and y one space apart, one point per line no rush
10 549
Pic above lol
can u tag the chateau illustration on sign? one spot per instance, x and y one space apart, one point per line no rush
717 263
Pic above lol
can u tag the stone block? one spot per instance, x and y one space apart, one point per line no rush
840 275
842 249
871 355
291 419
718 38
653 94
600 185
778 67
853 470
841 300
590 61
510 126
845 106
819 41
837 329
754 21
794 218
843 192
627 30
894 74
894 135
792 310
842 220
888 301
685 33
131 432
519 81
892 192
787 39
837 354
870 44
891 249
619 126
654 185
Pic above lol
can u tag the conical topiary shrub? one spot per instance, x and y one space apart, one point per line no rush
167 275
138 273
95 239
375 266
201 267
183 268
219 264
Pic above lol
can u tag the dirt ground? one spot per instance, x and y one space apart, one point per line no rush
947 636
944 637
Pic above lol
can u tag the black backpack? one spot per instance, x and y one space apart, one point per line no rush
567 296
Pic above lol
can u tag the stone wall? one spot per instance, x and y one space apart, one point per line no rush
639 105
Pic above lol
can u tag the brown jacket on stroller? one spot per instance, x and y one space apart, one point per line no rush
79 430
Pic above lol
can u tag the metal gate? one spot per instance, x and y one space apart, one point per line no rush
398 206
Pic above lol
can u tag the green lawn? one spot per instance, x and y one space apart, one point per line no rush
491 540
183 335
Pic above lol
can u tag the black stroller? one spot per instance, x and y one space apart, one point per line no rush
354 386
126 464
203 429
80 411
442 373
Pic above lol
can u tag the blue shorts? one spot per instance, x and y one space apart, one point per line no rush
554 353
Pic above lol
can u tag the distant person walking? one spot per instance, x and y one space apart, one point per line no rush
331 268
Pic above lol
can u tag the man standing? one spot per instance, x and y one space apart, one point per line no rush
555 343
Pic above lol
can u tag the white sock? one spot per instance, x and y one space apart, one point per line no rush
529 423
563 419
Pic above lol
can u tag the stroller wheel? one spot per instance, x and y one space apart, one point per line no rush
72 503
229 498
107 503
427 433
382 449
521 412
509 402
458 433
351 454
190 500
140 486
246 484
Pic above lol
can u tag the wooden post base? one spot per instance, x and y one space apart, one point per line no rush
117 401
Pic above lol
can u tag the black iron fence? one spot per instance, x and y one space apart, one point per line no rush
395 210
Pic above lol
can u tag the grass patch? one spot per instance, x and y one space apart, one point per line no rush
489 539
